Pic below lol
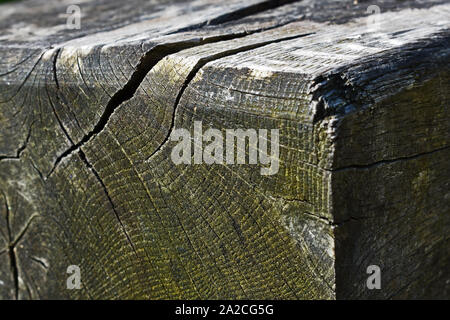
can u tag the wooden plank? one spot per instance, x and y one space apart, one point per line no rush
87 178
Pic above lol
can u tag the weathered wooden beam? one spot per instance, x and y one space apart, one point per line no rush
88 122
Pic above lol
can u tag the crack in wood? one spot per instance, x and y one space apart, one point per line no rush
12 256
12 244
21 148
22 232
55 58
14 270
387 161
204 61
39 261
113 206
239 14
26 78
147 62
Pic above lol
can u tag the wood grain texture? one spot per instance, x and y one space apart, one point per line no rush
86 176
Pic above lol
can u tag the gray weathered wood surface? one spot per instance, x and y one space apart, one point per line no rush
86 176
